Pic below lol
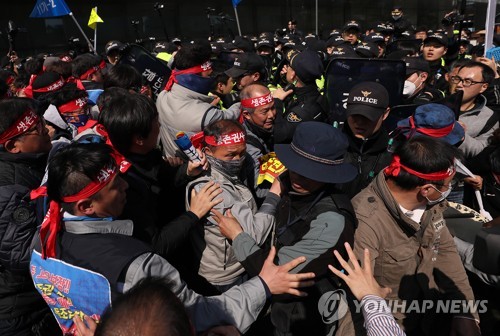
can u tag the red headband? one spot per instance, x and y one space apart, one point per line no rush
432 132
51 224
257 101
194 70
24 123
52 87
72 105
228 139
28 90
91 71
123 164
10 80
395 168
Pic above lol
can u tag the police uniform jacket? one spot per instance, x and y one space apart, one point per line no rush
369 156
307 104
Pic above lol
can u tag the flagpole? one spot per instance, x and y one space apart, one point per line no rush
237 20
317 18
490 25
95 33
83 33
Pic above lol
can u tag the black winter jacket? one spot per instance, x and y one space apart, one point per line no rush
19 173
307 104
369 156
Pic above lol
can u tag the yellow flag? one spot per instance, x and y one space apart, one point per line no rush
94 19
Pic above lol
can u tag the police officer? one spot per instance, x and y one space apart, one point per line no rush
416 89
301 99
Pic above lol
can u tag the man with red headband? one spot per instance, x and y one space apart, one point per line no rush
401 223
88 72
85 258
224 143
258 113
185 105
24 146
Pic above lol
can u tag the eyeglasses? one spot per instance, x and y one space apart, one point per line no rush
466 81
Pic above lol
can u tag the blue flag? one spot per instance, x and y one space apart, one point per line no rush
236 2
49 8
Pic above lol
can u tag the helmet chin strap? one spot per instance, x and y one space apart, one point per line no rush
419 85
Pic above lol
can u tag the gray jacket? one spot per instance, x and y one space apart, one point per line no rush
217 261
239 306
181 109
476 139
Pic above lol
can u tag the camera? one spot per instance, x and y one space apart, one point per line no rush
455 17
158 6
12 30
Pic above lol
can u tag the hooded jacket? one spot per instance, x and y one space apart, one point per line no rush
480 123
217 262
182 109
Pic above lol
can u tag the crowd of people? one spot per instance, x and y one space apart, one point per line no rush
109 227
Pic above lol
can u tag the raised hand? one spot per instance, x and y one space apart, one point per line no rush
360 279
204 200
280 281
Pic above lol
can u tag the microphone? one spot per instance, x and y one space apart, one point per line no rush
182 141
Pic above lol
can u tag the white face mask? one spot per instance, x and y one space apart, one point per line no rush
409 89
442 197
396 17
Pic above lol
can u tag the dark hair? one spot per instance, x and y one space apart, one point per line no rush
424 155
459 63
13 108
73 167
495 161
34 65
69 92
494 139
124 115
149 308
61 67
123 76
84 62
487 73
477 50
221 78
421 29
220 127
192 55
43 80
